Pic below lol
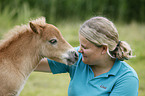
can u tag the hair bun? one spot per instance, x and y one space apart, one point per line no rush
122 51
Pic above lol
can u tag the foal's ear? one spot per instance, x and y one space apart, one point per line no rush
35 28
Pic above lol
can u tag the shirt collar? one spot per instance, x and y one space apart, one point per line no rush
113 71
115 68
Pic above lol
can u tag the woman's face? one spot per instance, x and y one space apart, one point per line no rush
91 54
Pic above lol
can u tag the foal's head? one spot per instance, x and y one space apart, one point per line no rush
54 46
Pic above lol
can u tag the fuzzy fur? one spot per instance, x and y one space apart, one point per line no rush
22 50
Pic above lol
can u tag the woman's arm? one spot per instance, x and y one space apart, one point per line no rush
43 66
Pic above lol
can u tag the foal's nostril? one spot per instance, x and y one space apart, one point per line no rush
73 57
75 54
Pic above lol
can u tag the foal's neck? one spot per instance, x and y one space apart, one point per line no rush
30 58
24 53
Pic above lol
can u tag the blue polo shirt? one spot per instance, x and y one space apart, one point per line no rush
121 80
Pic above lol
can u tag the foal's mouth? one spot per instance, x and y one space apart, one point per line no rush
72 58
71 62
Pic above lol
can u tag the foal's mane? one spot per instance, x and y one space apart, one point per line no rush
18 31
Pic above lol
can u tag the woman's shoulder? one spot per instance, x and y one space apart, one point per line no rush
127 70
77 48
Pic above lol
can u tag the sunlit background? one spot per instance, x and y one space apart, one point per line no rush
68 15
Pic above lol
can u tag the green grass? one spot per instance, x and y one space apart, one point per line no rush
46 84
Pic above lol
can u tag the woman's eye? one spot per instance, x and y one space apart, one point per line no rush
83 46
53 41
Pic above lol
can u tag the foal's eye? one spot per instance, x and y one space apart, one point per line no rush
53 41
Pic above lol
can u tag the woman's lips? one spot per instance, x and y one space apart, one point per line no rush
84 56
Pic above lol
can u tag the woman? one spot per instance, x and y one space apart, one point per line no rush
100 70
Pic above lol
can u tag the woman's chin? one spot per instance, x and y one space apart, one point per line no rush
84 60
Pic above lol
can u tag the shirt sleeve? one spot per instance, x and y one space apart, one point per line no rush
57 67
127 86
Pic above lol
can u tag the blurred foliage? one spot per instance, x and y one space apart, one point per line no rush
56 10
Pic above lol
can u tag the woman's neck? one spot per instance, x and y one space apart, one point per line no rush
103 67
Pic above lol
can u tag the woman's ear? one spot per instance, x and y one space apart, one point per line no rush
104 49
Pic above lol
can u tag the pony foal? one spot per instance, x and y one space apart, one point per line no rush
25 46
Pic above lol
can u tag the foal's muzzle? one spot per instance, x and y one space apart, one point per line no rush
72 58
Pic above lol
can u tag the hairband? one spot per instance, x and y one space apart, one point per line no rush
118 43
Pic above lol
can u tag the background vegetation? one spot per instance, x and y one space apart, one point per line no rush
68 15
54 10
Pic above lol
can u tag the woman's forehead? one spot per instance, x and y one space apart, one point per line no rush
84 41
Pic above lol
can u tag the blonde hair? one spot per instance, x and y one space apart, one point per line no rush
100 31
